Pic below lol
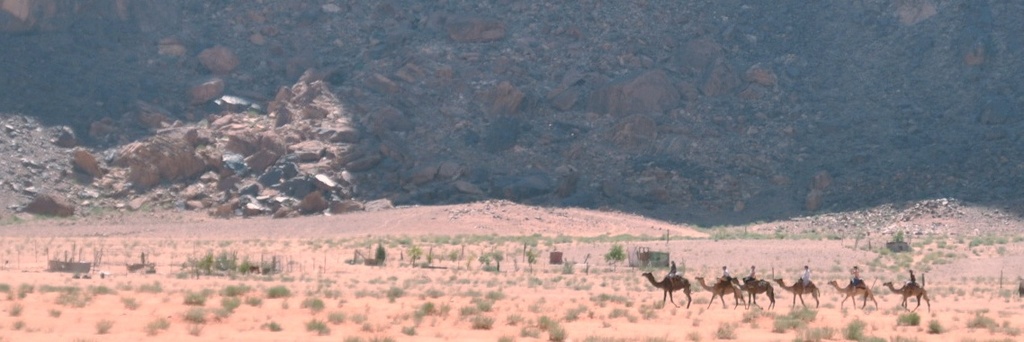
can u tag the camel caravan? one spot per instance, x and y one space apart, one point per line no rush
726 284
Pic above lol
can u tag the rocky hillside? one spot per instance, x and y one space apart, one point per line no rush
709 112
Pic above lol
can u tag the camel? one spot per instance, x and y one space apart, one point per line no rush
670 285
853 291
720 289
798 289
910 290
755 287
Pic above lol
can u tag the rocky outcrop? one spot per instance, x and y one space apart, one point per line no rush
169 156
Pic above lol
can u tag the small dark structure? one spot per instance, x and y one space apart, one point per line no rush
898 245
141 267
556 258
69 265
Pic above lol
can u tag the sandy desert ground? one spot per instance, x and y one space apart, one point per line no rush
465 295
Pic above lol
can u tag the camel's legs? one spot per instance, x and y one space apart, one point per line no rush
670 299
688 300
802 301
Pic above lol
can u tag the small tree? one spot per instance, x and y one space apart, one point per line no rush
415 253
615 255
381 254
531 257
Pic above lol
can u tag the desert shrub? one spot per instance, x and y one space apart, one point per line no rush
411 331
495 295
195 298
394 293
196 315
234 290
481 322
336 317
155 326
55 313
529 332
909 319
195 329
151 288
726 331
279 291
574 314
557 334
545 323
815 334
313 304
101 290
254 301
854 330
272 326
229 304
982 321
934 327
16 309
103 326
24 290
129 303
319 326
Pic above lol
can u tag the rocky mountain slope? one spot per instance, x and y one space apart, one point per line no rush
708 112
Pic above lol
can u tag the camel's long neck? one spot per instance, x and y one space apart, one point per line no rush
784 287
894 289
650 278
836 285
704 285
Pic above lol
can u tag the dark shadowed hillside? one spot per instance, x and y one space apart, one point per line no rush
706 112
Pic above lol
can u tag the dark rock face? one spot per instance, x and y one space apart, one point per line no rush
702 119
50 205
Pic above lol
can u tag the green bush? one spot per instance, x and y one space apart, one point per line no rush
481 322
854 330
313 304
615 255
934 327
319 326
278 292
195 298
909 319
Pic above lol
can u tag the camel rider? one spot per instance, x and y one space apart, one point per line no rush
855 279
913 280
726 277
752 276
672 274
806 278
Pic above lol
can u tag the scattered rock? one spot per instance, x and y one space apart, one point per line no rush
475 30
647 92
50 205
314 202
206 90
218 59
65 137
86 162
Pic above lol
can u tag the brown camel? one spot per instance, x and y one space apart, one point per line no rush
910 290
798 289
854 291
755 287
720 289
670 285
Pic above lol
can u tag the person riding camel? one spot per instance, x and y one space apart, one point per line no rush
752 277
726 277
855 279
806 278
913 280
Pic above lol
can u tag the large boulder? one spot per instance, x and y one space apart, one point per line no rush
50 205
169 156
647 92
